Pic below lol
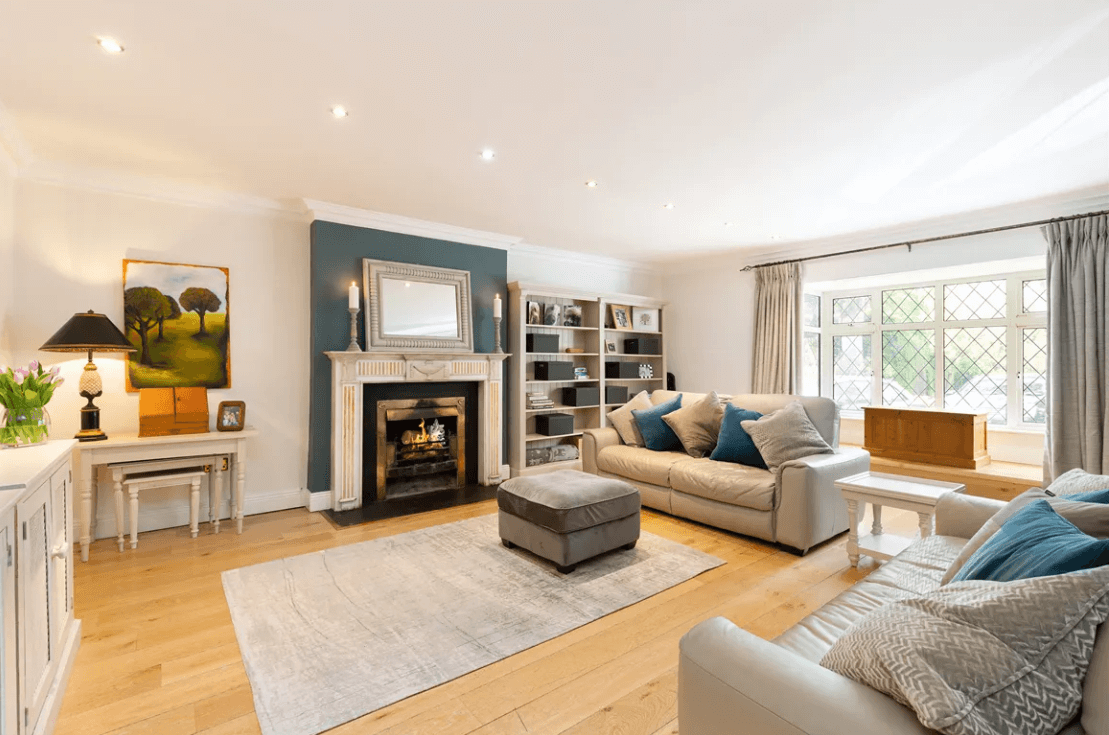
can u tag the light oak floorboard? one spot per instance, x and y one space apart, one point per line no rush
159 653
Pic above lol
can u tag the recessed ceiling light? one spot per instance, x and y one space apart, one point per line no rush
591 184
729 224
487 154
110 45
668 205
339 112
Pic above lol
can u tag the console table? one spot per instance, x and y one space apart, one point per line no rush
132 448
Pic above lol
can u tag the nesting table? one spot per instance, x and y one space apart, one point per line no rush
879 489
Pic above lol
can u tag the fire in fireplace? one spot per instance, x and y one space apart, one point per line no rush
420 446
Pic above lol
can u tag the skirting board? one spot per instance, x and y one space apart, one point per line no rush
315 502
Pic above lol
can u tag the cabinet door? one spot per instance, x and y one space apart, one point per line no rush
35 589
61 554
9 706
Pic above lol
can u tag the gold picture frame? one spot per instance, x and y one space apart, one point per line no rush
621 316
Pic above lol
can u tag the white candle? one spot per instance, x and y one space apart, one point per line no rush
352 296
497 306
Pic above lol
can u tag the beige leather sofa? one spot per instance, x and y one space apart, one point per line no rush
731 681
797 507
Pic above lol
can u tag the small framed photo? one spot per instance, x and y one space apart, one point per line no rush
621 316
571 316
552 315
645 320
610 346
231 416
535 312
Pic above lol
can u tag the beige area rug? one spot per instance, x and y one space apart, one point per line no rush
331 636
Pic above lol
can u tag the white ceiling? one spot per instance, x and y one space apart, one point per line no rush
793 119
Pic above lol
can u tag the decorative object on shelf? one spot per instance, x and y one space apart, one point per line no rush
554 424
581 373
575 350
610 346
571 316
417 307
89 332
535 313
552 315
539 400
231 416
581 396
545 343
497 324
621 370
24 393
178 319
173 411
558 453
645 320
621 316
642 346
646 371
553 370
353 306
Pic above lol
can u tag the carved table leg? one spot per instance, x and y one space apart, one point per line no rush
876 526
219 495
853 532
84 478
134 516
925 524
117 485
194 507
240 485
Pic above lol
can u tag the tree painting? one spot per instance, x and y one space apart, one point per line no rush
189 305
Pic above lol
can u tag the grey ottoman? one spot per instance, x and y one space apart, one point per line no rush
568 516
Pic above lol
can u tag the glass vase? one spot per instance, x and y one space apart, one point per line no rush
24 427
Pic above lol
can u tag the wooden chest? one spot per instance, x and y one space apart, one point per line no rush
172 411
930 436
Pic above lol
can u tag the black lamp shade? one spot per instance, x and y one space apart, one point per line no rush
89 332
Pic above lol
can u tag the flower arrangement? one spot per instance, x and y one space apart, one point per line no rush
24 392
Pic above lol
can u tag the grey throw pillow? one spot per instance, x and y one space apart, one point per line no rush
1032 641
698 424
786 434
1077 481
1091 518
624 422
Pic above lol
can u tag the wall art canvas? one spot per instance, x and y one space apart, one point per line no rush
535 312
552 315
571 316
178 318
645 320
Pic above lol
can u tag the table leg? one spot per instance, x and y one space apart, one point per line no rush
240 485
853 532
876 526
925 524
219 494
194 507
117 486
134 516
84 516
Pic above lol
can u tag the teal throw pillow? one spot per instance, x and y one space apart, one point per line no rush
1097 496
657 435
1035 542
734 443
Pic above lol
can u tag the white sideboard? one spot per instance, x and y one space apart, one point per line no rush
41 635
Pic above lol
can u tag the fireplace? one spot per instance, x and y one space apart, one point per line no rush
420 446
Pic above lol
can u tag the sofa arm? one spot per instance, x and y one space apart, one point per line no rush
810 508
593 441
962 515
731 681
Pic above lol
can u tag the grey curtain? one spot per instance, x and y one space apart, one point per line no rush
1078 346
777 355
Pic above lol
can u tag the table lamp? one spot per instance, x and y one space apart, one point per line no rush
89 332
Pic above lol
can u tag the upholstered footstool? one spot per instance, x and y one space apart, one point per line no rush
568 516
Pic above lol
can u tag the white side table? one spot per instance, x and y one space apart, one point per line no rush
878 489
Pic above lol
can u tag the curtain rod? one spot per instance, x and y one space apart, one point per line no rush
909 243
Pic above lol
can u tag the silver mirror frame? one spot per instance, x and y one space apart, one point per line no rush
373 271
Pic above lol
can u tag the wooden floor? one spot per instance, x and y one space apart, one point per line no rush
159 654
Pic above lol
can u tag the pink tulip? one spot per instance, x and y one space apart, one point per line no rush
55 370
58 382
19 376
33 366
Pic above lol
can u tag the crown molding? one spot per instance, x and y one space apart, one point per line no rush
344 215
561 258
14 151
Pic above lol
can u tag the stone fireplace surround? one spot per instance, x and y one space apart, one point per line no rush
350 371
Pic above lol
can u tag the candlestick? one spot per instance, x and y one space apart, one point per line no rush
352 296
353 346
497 332
497 306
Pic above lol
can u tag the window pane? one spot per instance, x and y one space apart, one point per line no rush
852 371
851 310
980 300
909 368
1034 376
812 310
974 371
810 364
1035 296
908 305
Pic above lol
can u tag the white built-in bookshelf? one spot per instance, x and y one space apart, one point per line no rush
590 337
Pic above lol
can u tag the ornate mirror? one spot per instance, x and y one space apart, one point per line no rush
416 307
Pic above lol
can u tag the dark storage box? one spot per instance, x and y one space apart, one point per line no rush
616 394
622 369
553 424
542 342
554 370
642 346
584 396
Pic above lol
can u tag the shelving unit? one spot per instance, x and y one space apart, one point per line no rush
590 337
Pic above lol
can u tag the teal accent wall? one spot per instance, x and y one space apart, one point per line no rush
336 260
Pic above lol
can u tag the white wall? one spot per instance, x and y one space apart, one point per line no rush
581 271
69 248
7 234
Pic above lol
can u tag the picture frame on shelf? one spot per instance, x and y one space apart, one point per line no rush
621 316
571 316
552 315
535 313
231 416
610 346
645 320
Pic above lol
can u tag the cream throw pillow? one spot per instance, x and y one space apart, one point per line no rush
624 422
784 435
698 425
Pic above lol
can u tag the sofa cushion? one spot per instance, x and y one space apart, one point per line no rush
734 443
785 435
624 422
1032 642
823 412
1095 703
697 424
726 482
657 436
1078 481
567 500
639 463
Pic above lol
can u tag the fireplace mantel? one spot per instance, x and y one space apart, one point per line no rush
351 370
